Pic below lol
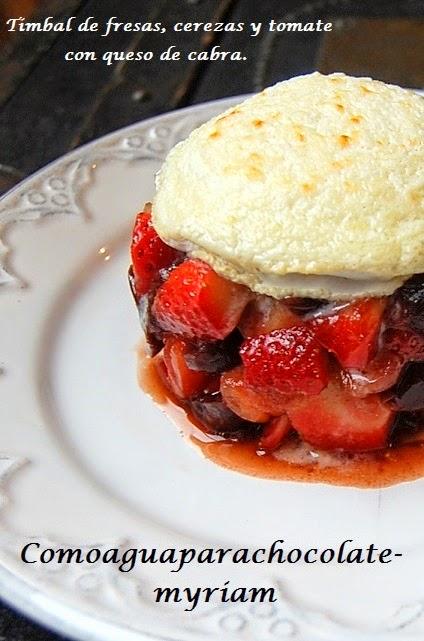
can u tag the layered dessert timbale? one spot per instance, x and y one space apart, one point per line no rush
279 276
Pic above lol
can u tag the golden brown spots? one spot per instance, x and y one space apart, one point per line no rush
365 90
344 140
233 112
298 132
417 195
350 186
258 123
254 157
336 164
308 188
340 108
215 134
253 167
254 173
336 80
356 119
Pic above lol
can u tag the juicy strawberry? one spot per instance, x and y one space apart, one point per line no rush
351 331
291 360
406 343
252 403
196 302
149 253
184 382
242 400
275 432
337 420
264 314
380 374
399 346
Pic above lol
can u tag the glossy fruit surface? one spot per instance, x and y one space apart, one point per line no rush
218 419
408 309
410 390
409 345
184 382
214 356
149 254
289 360
337 420
253 367
275 433
198 303
379 375
351 331
264 314
250 401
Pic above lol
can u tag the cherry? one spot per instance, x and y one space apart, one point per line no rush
218 419
407 311
409 392
214 356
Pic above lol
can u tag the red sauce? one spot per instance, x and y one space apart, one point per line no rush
294 461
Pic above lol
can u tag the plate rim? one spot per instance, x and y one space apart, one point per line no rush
75 153
15 591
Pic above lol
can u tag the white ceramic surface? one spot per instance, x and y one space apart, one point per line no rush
86 459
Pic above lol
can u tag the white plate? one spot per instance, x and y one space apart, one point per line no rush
87 459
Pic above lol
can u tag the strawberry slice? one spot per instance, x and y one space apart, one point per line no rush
275 432
184 382
252 403
196 302
149 253
337 420
399 346
240 398
380 374
264 314
351 331
291 360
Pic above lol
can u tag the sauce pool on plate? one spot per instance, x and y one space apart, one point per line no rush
294 461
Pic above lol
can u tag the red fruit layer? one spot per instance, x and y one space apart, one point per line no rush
264 314
337 420
196 302
184 382
251 402
291 360
284 383
149 254
407 344
274 434
380 374
351 331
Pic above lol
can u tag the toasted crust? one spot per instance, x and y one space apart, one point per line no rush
315 176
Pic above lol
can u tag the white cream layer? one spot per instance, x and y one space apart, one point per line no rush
339 286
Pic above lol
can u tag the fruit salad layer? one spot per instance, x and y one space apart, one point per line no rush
341 376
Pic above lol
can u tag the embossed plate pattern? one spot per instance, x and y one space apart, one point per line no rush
87 460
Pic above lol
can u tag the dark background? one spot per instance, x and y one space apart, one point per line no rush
49 106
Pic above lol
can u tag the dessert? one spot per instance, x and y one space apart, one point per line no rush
279 276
